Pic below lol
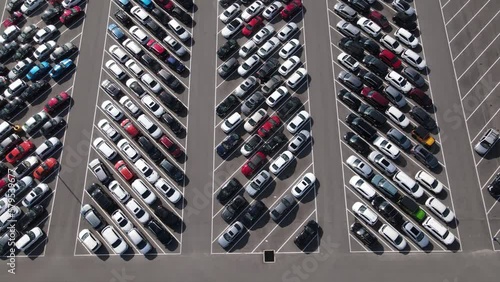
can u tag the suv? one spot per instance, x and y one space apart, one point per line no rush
311 230
412 208
370 79
103 199
487 141
361 127
285 204
423 118
349 99
425 157
423 136
357 143
375 65
352 47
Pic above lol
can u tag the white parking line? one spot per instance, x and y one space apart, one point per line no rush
478 56
488 180
479 80
496 201
445 4
486 124
468 21
485 98
458 12
295 232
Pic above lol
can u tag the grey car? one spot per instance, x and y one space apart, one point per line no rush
425 157
348 29
251 103
403 6
346 12
112 89
92 217
284 205
395 96
399 139
413 76
227 67
351 81
271 85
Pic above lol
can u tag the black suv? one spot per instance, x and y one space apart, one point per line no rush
375 65
123 18
167 217
228 191
233 209
425 156
372 115
423 118
363 234
349 99
362 127
182 16
226 50
150 149
172 123
370 79
387 210
30 218
268 68
310 231
172 171
494 186
359 5
226 106
170 101
403 20
357 143
254 212
103 199
352 48
370 45
160 233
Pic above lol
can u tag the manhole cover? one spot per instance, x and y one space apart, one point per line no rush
269 256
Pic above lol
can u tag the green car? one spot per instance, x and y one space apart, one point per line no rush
412 208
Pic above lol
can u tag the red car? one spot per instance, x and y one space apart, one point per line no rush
45 168
390 59
172 148
252 26
166 5
4 183
14 19
20 151
130 128
421 98
253 164
69 15
291 9
123 169
374 98
379 19
269 127
157 49
56 102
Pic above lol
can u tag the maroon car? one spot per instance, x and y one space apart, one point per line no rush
421 98
379 19
374 98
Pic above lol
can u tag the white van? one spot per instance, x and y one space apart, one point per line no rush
104 148
15 88
408 184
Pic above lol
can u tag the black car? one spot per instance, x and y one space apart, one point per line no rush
172 123
271 85
8 110
14 5
423 118
167 217
51 15
272 145
359 5
233 209
372 115
163 236
228 144
169 79
310 231
3 70
362 127
370 79
228 191
175 64
413 76
267 69
174 172
160 16
425 156
251 145
7 241
225 107
156 29
289 108
349 99
494 186
375 65
352 47
7 49
356 142
3 169
226 50
52 126
103 199
369 45
30 217
150 149
251 103
403 20
23 51
123 18
254 213
34 90
170 101
387 210
150 62
182 16
363 234
187 4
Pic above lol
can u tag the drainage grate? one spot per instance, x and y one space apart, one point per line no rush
269 256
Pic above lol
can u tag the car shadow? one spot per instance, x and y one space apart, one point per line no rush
306 150
494 152
128 255
102 253
266 191
263 220
288 171
152 254
401 162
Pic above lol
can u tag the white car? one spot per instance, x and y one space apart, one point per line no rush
248 48
30 5
289 48
414 59
28 239
277 96
155 108
298 141
387 148
4 204
382 163
47 147
440 209
135 87
138 240
272 10
114 240
253 121
30 124
369 26
393 236
10 216
403 6
232 27
287 31
44 33
296 78
150 127
363 187
289 65
429 182
175 46
151 83
130 106
365 213
399 82
143 191
44 50
251 11
9 34
298 121
121 219
167 189
35 195
21 185
359 166
230 234
263 34
25 167
268 47
70 3
179 30
406 37
126 148
139 212
390 43
306 183
397 116
141 15
117 190
248 65
438 230
140 35
115 69
245 87
281 162
348 61
230 13
145 169
89 241
105 149
231 122
118 53
135 68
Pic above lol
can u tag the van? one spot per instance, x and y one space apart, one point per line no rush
15 88
439 231
133 47
408 184
385 187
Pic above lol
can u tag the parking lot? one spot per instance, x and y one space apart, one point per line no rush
264 234
472 30
71 32
406 161
179 138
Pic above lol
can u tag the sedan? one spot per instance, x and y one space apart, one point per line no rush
45 33
281 162
348 29
35 122
424 156
124 170
369 27
310 231
147 172
231 28
298 122
356 142
287 31
403 6
363 187
382 163
112 110
255 120
393 236
289 65
230 234
70 15
151 83
251 145
261 36
44 50
351 81
252 26
406 38
138 211
298 141
251 11
348 61
390 59
167 189
397 117
230 13
365 213
304 185
360 167
156 109
269 127
60 69
231 123
275 98
228 144
272 10
45 168
234 208
253 164
248 65
415 234
387 147
289 48
268 47
56 102
126 148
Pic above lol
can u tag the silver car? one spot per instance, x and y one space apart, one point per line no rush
382 163
348 29
415 234
230 234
